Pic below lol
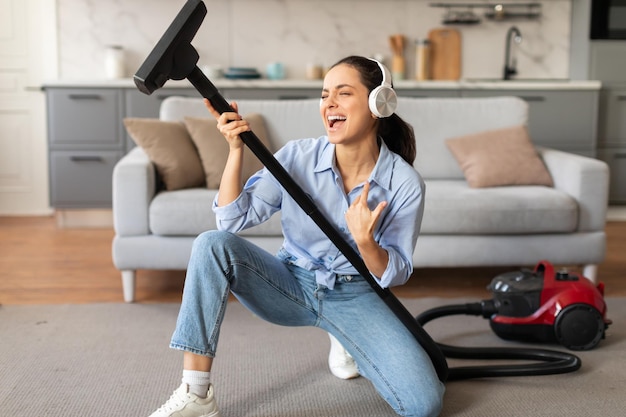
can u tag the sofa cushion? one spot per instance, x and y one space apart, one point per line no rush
213 148
170 148
499 157
188 213
454 208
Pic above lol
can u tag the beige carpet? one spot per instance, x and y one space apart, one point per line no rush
113 360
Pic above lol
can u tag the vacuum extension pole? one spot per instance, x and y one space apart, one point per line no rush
208 90
175 58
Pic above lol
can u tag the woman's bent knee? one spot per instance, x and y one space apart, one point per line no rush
425 404
213 237
215 242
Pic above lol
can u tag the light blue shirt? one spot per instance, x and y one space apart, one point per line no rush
311 163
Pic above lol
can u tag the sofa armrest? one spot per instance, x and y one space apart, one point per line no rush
586 180
134 186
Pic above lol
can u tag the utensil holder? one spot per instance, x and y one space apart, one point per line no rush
398 67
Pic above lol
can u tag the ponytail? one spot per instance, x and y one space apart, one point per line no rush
399 137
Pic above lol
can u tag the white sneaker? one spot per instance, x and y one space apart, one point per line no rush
182 403
340 362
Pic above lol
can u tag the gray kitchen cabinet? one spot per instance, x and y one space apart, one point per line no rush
85 138
559 119
612 138
615 157
80 118
612 124
82 179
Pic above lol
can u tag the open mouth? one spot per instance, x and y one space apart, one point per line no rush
335 121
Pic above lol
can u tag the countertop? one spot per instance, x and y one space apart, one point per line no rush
485 84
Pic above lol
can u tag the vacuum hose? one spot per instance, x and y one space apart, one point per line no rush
547 362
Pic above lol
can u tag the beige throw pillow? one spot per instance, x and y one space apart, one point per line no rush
499 157
170 148
213 148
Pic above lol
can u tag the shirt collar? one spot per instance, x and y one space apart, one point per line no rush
384 167
326 160
382 171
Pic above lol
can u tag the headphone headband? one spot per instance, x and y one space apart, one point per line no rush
386 74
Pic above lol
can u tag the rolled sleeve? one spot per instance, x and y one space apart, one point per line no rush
231 217
396 272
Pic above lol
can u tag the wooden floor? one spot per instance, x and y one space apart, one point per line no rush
42 264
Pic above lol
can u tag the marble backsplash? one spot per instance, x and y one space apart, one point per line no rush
252 33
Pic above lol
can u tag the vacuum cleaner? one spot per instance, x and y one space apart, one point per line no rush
549 306
175 58
540 306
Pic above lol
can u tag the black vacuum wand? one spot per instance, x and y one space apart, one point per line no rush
175 58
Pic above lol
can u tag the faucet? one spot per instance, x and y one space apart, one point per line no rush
516 35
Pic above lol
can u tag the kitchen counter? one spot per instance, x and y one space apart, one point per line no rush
469 84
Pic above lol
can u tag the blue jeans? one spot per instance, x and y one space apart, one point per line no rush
274 289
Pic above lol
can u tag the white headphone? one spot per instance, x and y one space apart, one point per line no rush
383 100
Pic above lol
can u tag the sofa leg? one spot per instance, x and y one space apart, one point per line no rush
590 271
128 285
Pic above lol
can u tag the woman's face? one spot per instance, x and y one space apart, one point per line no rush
344 107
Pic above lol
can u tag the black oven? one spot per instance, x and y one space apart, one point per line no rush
608 19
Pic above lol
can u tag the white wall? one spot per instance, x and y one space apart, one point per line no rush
27 57
296 32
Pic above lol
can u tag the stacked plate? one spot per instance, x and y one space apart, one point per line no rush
239 73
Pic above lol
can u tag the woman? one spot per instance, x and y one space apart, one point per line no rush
361 176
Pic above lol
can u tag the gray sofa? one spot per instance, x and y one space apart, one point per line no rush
462 226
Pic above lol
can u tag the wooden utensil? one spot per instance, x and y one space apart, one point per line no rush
397 60
445 44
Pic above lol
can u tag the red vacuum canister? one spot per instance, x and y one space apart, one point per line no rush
549 307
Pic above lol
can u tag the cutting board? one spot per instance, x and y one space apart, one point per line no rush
445 54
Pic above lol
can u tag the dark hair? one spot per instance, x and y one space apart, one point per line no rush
397 134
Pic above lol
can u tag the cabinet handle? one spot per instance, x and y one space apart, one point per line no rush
162 97
85 96
532 98
619 155
86 158
621 98
293 97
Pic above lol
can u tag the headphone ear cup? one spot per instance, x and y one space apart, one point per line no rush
383 101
